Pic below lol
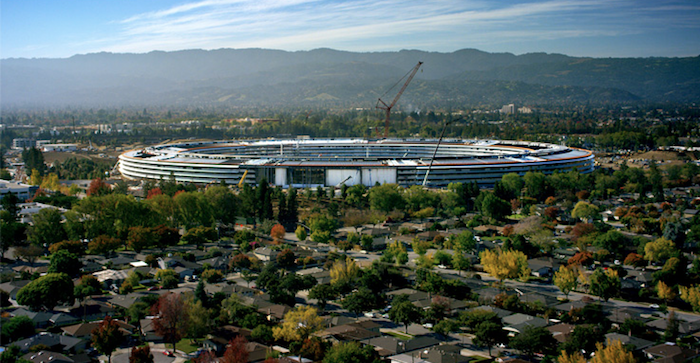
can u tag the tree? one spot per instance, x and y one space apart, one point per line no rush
240 261
494 207
104 245
224 203
659 250
691 295
489 333
74 247
47 228
584 211
605 283
575 357
17 328
141 355
29 253
360 301
386 197
322 293
98 187
171 318
200 235
212 276
33 160
277 232
300 232
614 352
236 352
107 337
88 286
351 352
584 338
404 312
464 242
344 271
534 340
46 292
665 292
66 262
197 317
286 259
566 279
459 262
298 324
505 264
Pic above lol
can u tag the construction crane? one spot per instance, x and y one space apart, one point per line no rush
383 106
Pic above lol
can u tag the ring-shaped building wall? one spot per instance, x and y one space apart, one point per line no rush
330 162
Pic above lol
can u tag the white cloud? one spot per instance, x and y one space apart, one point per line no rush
378 25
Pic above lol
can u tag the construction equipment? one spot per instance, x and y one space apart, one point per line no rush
240 183
383 106
437 146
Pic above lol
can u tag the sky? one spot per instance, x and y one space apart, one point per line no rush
594 28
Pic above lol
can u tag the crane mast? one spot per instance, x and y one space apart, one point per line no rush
383 106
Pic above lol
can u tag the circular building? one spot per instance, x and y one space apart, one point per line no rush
330 162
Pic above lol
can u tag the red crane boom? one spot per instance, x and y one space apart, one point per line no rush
383 106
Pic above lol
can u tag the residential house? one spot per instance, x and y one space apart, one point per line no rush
43 356
55 342
516 323
669 352
636 344
445 353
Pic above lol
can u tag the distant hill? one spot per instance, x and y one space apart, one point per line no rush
326 77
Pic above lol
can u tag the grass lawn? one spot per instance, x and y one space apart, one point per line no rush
185 346
399 335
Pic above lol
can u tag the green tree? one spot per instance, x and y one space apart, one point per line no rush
534 340
494 207
300 232
360 301
66 262
322 293
605 283
46 292
585 211
33 160
489 333
47 227
107 337
223 203
459 262
200 235
404 312
17 328
351 352
386 197
464 241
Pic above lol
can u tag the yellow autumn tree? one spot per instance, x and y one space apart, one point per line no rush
298 324
576 357
50 182
566 279
659 250
691 295
503 265
613 353
665 292
344 270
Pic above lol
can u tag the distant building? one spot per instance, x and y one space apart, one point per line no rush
524 110
22 191
23 143
59 147
508 109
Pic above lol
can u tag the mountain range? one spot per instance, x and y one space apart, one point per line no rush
331 78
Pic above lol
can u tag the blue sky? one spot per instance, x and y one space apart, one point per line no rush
597 28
